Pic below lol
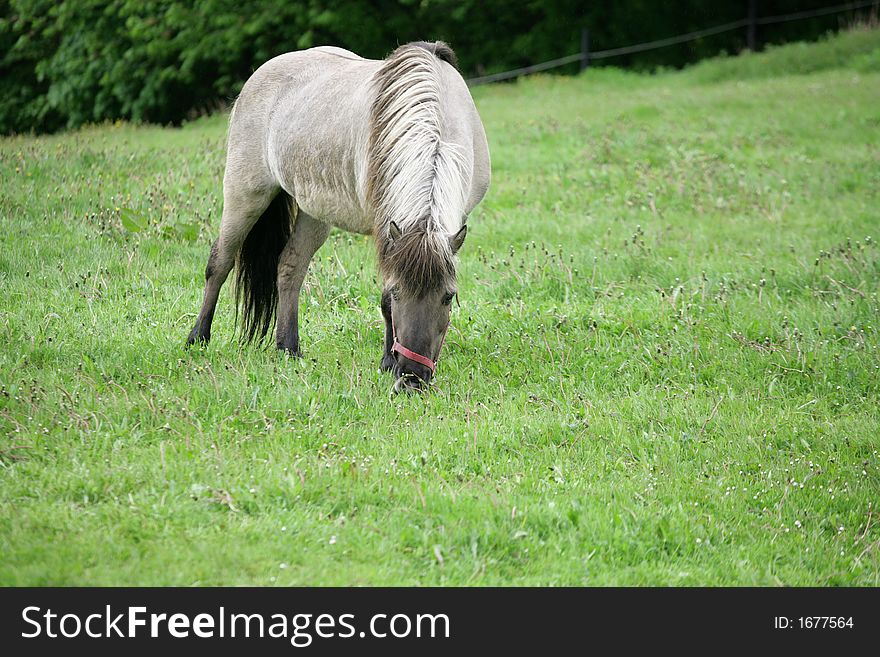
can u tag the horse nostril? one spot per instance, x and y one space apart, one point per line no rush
418 376
409 368
408 383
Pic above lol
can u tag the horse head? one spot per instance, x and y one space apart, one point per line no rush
420 285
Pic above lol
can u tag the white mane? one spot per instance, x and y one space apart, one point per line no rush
418 181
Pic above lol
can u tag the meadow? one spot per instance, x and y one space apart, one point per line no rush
664 369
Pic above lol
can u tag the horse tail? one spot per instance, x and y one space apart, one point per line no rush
256 289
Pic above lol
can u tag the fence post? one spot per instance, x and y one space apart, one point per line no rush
751 33
585 48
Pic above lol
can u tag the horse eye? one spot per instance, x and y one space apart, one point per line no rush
448 298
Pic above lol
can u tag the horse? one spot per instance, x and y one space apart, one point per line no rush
324 138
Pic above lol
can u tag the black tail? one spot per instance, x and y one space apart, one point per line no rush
256 290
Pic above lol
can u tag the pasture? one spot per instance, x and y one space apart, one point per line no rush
664 368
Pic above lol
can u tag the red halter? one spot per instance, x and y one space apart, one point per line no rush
414 356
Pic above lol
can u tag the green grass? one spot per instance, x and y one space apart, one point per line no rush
664 370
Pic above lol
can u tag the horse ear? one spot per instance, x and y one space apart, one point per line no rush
457 240
394 231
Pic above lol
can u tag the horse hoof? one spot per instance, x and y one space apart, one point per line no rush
197 338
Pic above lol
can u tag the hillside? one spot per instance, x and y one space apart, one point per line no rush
664 369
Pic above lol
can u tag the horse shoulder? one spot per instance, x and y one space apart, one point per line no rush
317 135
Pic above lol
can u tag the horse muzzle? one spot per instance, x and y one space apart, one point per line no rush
413 370
409 383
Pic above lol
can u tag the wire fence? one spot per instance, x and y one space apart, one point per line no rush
585 56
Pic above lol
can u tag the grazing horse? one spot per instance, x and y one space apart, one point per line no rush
322 138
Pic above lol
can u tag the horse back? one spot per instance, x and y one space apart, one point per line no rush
302 123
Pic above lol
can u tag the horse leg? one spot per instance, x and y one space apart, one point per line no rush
307 237
241 210
387 363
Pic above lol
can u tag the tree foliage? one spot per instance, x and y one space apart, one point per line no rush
68 62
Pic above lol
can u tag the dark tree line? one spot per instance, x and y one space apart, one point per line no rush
68 62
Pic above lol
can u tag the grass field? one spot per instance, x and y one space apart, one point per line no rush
664 369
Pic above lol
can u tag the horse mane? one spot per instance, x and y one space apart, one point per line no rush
440 50
415 179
